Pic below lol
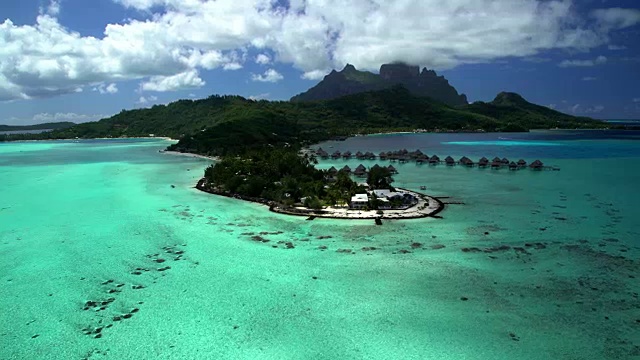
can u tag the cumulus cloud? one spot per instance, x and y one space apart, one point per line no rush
180 38
143 100
600 60
270 75
263 59
616 18
185 80
106 89
260 96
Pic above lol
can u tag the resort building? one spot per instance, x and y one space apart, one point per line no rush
359 201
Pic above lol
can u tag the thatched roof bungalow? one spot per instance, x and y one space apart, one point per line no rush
505 161
382 155
347 155
449 161
392 169
536 165
496 159
359 155
522 163
466 161
513 166
496 164
369 155
336 155
323 154
483 162
360 170
332 170
346 169
434 159
319 151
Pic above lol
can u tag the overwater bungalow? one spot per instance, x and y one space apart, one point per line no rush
346 169
404 152
336 155
536 165
332 170
319 151
347 155
483 162
496 164
382 155
505 161
465 161
449 161
497 159
369 155
376 166
323 154
513 166
360 170
434 159
416 154
359 155
522 163
392 169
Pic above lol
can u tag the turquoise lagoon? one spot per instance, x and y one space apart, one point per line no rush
88 223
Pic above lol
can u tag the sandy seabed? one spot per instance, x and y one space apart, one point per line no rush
101 258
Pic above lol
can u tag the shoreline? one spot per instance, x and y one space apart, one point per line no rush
191 155
427 206
97 138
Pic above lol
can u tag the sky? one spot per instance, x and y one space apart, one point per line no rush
80 60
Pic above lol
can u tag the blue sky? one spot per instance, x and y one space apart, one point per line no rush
81 60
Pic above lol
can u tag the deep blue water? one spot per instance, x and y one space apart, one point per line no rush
554 144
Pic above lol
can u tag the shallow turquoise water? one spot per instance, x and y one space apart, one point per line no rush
74 215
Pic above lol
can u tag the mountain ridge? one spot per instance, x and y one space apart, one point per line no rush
350 81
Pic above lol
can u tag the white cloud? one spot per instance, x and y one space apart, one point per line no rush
589 78
600 60
185 80
146 99
635 100
52 9
617 47
232 66
552 106
180 38
263 59
57 117
586 110
315 74
616 18
106 89
270 75
260 96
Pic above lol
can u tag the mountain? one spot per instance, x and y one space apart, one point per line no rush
352 81
221 125
44 126
513 109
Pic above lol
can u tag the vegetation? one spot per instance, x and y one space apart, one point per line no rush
280 175
43 126
224 125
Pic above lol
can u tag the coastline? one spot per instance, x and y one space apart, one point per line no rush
98 138
427 206
191 155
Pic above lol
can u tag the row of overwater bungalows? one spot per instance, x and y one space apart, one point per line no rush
421 158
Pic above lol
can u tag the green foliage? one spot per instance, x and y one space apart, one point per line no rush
379 178
43 126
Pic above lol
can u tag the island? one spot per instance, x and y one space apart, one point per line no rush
288 182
